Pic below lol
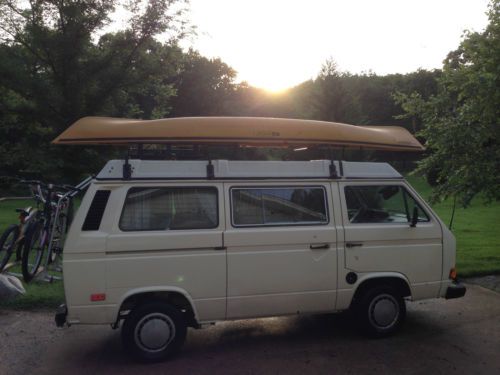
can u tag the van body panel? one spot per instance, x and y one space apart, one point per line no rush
235 271
281 304
449 258
346 291
80 270
165 259
283 269
208 308
415 252
92 314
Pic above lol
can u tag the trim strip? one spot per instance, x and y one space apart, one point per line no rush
325 178
234 139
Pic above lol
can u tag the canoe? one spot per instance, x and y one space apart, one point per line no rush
243 131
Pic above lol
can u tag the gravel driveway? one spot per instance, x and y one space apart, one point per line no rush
457 336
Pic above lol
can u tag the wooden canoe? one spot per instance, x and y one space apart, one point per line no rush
244 131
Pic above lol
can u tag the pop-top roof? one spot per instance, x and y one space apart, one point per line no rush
231 169
243 131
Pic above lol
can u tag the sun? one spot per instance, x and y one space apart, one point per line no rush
270 80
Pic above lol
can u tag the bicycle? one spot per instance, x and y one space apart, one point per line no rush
45 234
14 236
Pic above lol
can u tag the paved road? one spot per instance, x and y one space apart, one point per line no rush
439 337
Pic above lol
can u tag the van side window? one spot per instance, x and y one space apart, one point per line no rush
381 204
96 210
162 208
278 206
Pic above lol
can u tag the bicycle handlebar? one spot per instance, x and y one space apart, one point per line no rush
32 182
50 186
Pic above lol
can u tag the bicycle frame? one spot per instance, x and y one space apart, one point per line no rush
23 224
50 227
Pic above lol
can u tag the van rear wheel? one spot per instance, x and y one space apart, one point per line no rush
381 311
154 331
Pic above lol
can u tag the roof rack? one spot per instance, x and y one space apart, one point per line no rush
136 169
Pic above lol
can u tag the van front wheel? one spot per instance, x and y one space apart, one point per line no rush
381 310
153 331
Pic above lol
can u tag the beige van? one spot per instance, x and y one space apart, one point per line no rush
177 244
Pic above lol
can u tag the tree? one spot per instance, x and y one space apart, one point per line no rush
204 86
58 65
461 122
331 100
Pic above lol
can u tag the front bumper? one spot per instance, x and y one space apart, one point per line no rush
455 290
61 314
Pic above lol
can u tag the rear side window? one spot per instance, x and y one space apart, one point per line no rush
96 210
278 206
161 208
381 204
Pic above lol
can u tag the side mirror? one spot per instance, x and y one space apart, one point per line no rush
414 218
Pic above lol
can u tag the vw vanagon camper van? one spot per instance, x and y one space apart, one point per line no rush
187 243
158 246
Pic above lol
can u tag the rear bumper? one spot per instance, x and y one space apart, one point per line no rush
455 290
61 315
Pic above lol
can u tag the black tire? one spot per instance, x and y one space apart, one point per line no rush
7 244
165 321
380 311
33 250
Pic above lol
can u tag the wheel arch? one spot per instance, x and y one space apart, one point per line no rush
173 295
393 279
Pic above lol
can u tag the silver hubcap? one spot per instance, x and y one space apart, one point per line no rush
383 311
154 332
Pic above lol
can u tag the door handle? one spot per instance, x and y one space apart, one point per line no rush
317 247
220 248
353 244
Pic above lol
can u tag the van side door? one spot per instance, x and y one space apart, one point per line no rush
379 238
281 246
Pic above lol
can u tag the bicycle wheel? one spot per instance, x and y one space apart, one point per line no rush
7 243
57 238
35 243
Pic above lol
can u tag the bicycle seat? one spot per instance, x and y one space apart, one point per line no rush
24 211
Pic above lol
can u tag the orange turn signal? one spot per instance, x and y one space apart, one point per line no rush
453 273
98 297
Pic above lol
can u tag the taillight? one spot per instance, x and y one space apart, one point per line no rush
453 273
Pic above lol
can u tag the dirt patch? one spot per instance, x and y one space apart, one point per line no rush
24 339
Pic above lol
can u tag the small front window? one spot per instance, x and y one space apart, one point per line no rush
279 206
381 204
161 208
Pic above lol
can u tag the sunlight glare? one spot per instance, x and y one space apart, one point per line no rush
276 44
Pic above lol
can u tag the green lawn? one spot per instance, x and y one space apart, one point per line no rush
476 230
39 295
478 251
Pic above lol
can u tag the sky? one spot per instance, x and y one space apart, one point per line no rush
276 44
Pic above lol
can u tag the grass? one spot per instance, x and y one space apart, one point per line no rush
38 295
478 251
476 231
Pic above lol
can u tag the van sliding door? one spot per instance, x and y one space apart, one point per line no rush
281 249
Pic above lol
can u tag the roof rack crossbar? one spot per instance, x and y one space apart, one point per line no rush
210 170
333 170
127 168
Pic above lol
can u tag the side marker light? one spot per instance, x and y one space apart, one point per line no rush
98 297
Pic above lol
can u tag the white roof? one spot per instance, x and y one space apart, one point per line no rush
234 169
